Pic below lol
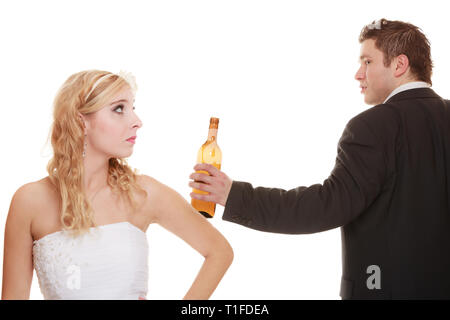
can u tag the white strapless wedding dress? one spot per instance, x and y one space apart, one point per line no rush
109 262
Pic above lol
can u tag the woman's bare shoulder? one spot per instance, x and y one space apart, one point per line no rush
151 185
43 189
28 198
158 193
33 191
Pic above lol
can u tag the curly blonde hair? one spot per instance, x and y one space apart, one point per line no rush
66 169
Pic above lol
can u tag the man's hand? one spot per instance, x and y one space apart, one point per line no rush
217 184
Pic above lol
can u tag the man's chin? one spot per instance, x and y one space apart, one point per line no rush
370 101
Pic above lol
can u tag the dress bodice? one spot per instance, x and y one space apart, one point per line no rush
108 262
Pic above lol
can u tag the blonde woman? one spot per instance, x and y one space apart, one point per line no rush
83 227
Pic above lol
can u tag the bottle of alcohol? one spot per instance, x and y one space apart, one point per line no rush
208 153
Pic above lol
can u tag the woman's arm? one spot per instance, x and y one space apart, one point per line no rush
175 214
18 246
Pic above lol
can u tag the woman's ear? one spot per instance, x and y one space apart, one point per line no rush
83 121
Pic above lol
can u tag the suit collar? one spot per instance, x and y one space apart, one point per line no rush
414 94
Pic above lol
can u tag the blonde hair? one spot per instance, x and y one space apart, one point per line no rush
66 169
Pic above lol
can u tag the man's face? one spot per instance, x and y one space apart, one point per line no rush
376 80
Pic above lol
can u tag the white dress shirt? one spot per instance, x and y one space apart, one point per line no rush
408 86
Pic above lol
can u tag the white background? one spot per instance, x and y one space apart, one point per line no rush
278 74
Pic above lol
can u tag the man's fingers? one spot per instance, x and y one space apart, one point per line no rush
204 197
207 167
199 176
201 186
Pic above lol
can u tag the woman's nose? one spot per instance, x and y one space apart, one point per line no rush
137 122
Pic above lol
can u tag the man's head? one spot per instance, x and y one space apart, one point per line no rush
392 53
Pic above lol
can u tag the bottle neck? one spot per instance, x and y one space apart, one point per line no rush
212 134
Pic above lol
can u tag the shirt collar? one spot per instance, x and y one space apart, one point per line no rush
408 86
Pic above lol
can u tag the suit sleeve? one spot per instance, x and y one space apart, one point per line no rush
354 183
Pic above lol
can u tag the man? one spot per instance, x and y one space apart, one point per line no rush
389 189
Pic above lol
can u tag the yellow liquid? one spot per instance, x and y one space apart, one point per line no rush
208 153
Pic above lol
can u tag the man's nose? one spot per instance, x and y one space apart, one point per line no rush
360 74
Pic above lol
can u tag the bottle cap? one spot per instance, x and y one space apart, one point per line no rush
214 123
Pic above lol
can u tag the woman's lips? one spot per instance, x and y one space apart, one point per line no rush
132 140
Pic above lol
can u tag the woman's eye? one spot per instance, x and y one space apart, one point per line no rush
367 62
119 106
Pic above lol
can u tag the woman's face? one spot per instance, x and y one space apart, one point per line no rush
109 128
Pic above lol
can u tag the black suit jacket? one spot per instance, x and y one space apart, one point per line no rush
389 191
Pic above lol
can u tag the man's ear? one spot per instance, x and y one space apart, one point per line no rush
401 64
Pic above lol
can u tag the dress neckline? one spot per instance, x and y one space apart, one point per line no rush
100 226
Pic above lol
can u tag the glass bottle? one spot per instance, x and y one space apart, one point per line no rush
208 153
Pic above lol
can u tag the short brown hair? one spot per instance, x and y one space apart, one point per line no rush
394 38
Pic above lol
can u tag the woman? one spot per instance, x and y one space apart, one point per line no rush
83 227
